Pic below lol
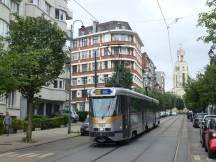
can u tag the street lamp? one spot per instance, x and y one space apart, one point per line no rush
70 95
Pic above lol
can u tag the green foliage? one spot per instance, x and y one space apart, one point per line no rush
17 124
121 78
166 100
179 104
8 82
82 115
44 122
207 20
200 92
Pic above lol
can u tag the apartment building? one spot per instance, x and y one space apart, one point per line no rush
52 96
160 78
149 74
111 42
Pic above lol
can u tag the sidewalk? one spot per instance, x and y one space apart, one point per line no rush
13 142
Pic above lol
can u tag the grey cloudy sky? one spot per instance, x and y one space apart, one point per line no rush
145 18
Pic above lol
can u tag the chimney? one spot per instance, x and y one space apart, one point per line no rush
95 24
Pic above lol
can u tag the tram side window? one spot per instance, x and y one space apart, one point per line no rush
118 105
124 105
136 105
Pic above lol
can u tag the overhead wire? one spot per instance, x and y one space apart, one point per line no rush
168 33
89 13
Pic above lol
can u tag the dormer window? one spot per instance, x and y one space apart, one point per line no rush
36 2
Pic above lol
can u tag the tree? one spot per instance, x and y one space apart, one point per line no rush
207 20
8 82
122 77
179 104
36 57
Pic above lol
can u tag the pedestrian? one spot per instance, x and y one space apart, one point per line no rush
7 123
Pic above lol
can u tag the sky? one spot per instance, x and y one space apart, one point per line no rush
145 18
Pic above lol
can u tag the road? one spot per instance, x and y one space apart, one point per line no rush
173 141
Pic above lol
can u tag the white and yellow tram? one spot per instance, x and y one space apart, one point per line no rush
118 114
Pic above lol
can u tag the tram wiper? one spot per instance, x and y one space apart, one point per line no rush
102 117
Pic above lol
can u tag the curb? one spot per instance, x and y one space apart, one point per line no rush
39 144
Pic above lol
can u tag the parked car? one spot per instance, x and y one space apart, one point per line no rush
203 127
74 116
84 129
197 119
210 138
174 113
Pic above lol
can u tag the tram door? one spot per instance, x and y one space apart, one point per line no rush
125 116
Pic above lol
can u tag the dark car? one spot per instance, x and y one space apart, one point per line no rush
197 119
210 138
84 129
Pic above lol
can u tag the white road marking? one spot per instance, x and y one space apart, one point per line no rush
46 155
196 157
12 155
7 153
28 154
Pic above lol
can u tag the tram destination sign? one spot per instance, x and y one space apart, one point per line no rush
103 91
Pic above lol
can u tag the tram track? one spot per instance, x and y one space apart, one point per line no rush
154 140
117 147
179 135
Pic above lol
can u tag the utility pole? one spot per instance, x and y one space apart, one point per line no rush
95 69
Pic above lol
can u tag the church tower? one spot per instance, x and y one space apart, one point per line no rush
181 74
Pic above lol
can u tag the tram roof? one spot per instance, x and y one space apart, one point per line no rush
121 91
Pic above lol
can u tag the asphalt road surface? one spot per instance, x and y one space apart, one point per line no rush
173 141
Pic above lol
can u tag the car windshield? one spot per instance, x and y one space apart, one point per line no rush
200 116
209 117
103 107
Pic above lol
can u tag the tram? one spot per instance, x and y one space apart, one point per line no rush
118 114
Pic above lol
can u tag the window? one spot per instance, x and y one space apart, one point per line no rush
6 2
48 8
60 15
14 7
95 51
3 98
105 64
84 54
119 37
116 50
74 81
95 39
36 2
106 38
74 94
84 93
60 84
74 56
106 51
3 28
75 44
74 69
105 78
11 98
55 84
84 67
84 42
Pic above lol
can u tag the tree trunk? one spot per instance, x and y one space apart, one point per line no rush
30 114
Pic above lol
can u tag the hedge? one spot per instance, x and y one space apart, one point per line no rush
42 122
82 115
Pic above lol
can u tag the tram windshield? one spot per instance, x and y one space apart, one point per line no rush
103 107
